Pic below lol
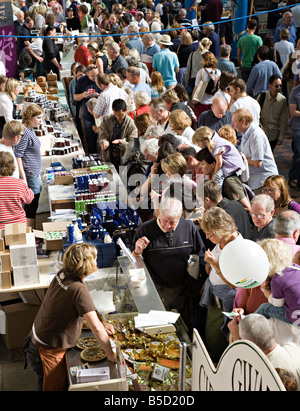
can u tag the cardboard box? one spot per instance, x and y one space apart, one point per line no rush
63 180
15 233
18 322
5 263
9 296
2 245
34 297
24 254
5 280
55 244
26 275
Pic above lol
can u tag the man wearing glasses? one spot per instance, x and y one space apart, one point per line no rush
274 113
166 244
262 212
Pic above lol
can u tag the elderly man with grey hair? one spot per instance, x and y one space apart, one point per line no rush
150 48
209 31
262 212
287 228
135 41
224 63
259 330
166 243
113 52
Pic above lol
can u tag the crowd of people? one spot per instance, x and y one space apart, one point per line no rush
207 127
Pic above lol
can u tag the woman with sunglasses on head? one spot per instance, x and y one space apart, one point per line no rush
276 187
99 58
51 52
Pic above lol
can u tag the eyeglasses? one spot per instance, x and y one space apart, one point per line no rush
91 68
258 215
269 190
209 235
277 85
169 236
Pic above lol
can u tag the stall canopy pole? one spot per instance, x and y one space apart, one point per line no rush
239 26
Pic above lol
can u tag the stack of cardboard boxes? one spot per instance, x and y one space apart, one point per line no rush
19 267
19 264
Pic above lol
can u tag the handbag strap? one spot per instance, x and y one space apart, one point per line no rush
191 65
137 145
211 74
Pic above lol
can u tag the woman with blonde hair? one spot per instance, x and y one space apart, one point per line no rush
281 288
99 58
203 99
174 166
276 187
195 63
7 98
115 80
28 155
157 85
284 46
58 323
3 80
220 228
184 50
181 123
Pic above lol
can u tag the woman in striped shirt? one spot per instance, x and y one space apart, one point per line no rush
28 155
13 193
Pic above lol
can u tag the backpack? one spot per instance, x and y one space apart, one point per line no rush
213 83
174 7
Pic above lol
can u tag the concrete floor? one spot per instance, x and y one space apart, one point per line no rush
13 377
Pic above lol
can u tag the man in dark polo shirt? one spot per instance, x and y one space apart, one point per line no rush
86 88
166 244
118 61
25 39
217 116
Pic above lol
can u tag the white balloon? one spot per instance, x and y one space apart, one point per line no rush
244 263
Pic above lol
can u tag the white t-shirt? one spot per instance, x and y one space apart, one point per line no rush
207 98
288 358
214 278
11 151
250 104
223 94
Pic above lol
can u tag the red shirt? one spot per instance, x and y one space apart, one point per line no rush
138 111
83 56
13 193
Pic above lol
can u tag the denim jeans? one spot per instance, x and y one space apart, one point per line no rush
294 173
35 183
270 311
32 357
